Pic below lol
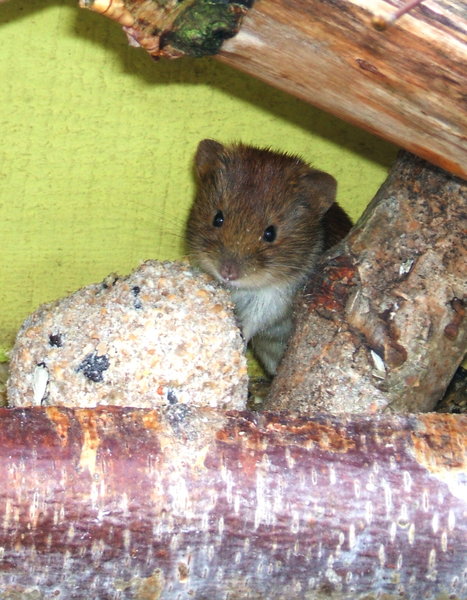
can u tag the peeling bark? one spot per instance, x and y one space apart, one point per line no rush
381 324
198 504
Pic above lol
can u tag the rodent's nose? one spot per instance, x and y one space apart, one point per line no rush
229 270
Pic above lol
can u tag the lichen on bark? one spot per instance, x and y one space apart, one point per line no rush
174 28
203 26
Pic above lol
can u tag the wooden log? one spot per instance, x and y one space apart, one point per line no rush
406 84
381 325
186 504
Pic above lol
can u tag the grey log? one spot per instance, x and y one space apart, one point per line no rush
381 324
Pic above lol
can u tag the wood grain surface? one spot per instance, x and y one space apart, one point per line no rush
407 84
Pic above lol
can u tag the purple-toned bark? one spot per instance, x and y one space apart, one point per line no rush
197 504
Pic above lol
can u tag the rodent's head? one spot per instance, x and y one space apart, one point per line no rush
256 219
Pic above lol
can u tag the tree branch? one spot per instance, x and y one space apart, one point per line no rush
126 503
381 324
405 84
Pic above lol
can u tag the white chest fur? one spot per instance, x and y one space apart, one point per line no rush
265 315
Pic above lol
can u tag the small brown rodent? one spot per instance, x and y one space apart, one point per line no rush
259 221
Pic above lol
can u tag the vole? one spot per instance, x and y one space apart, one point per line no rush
258 223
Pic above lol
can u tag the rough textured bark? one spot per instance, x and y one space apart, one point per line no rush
381 325
406 84
174 28
181 504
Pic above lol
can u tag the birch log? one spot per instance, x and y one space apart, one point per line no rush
381 325
406 84
195 504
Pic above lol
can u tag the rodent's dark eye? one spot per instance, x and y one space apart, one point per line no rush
269 234
218 219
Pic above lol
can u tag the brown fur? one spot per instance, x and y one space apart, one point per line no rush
256 188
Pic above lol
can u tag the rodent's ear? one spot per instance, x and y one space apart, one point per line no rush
320 188
207 157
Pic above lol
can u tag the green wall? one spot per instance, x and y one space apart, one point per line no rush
97 142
